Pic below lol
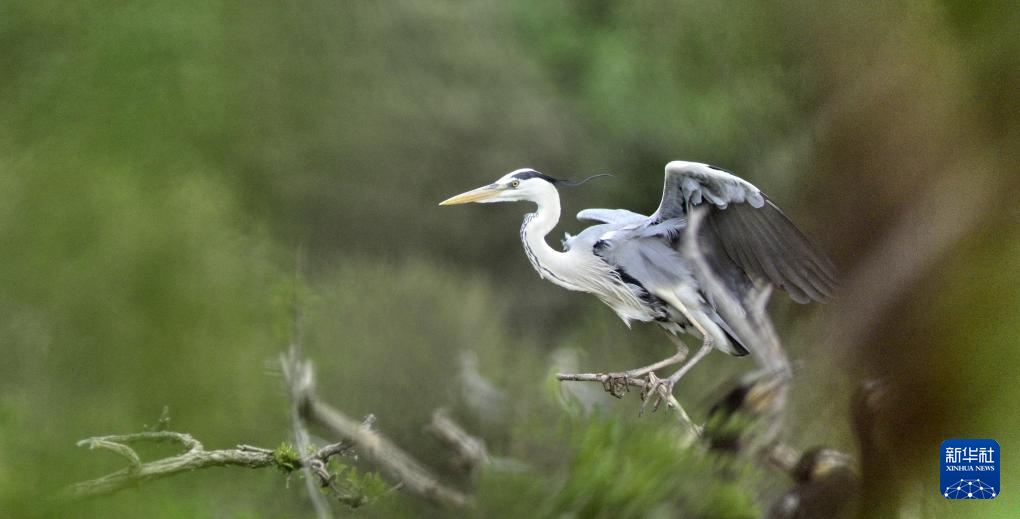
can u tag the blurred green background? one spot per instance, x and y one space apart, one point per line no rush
163 165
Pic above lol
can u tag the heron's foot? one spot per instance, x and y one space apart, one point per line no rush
656 390
617 384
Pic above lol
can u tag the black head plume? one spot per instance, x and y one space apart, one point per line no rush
525 174
575 183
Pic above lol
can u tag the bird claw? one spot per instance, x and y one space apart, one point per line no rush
656 388
616 384
653 389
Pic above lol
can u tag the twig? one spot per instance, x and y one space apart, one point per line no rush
185 440
375 447
333 449
469 452
290 361
671 401
782 457
122 450
383 452
301 438
196 457
409 472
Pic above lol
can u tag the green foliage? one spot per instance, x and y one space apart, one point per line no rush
358 489
621 472
370 485
627 469
287 458
659 75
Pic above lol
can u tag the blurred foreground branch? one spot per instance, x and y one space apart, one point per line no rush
469 452
298 374
378 449
767 351
742 423
302 440
753 322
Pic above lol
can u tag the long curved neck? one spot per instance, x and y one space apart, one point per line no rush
549 262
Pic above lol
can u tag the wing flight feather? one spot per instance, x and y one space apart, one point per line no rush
610 216
752 230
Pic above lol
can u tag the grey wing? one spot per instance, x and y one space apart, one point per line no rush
610 216
644 226
586 238
692 184
754 233
660 270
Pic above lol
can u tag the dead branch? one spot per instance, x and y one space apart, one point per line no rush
194 458
470 453
606 379
376 448
301 437
302 440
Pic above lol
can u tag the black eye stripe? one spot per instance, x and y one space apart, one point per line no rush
525 175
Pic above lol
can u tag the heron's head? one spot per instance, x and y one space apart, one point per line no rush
520 185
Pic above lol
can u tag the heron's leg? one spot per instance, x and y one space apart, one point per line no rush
678 357
667 384
617 383
669 361
706 348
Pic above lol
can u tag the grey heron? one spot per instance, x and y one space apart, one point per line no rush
633 262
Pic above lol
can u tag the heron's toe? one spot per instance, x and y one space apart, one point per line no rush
658 390
616 384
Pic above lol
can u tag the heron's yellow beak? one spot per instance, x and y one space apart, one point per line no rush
475 195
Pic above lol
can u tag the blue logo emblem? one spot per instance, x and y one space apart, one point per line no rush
970 469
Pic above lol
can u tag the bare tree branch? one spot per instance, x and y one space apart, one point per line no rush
122 450
470 453
409 472
694 430
196 457
940 216
289 361
185 440
375 447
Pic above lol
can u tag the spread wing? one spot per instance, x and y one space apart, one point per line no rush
754 233
610 216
